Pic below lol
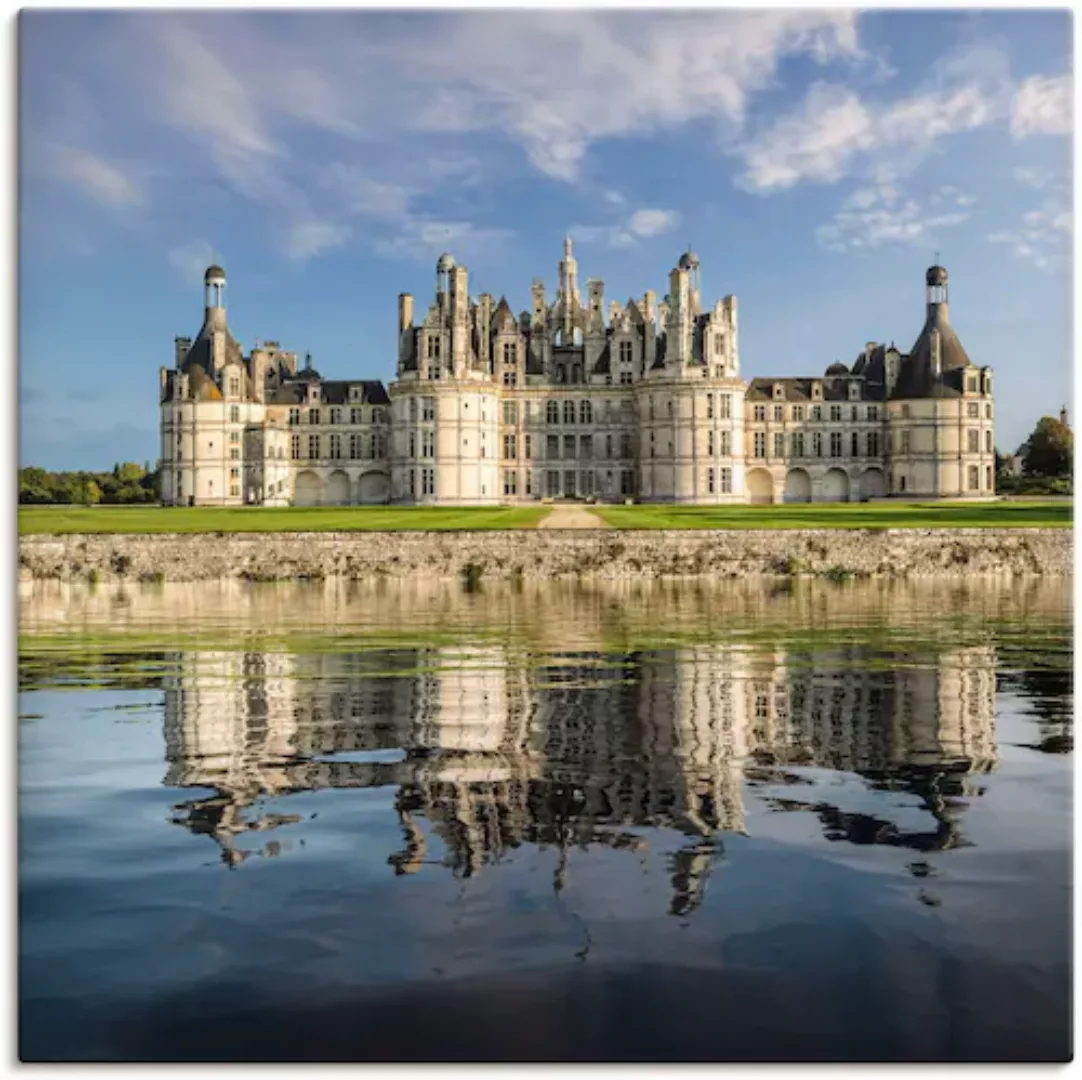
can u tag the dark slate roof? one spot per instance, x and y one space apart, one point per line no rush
503 318
334 392
200 353
799 390
604 361
837 369
916 378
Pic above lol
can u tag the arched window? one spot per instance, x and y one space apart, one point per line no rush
569 412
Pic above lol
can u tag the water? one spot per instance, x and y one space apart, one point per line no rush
623 823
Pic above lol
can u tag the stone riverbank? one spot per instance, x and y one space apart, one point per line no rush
541 554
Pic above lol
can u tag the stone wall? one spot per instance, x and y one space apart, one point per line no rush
544 554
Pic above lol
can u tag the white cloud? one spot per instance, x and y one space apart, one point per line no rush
103 181
1042 106
643 224
1033 177
872 217
424 238
310 238
192 259
1041 238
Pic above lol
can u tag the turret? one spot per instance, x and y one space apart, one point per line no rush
214 297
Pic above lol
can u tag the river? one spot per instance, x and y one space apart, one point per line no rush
621 822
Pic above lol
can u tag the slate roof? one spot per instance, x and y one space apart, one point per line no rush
916 377
799 390
334 392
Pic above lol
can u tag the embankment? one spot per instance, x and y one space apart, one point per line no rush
474 556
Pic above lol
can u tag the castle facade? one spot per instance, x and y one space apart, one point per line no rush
573 399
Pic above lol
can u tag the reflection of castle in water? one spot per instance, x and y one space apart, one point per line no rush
577 751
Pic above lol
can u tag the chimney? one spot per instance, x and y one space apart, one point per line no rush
405 311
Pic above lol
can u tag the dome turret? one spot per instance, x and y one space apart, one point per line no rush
936 275
214 273
446 263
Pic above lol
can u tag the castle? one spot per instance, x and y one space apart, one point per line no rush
639 401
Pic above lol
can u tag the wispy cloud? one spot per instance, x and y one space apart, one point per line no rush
191 260
1042 237
104 181
424 238
306 239
878 215
1042 106
642 224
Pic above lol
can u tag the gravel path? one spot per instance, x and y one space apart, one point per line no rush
572 517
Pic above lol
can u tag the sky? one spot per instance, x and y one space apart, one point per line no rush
817 161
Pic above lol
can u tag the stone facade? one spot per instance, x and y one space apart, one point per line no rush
642 400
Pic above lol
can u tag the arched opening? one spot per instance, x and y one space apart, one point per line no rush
308 490
760 486
373 487
835 486
338 489
873 484
797 486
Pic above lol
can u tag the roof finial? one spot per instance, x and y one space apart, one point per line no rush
567 246
307 361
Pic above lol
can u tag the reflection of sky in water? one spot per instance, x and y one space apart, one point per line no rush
880 812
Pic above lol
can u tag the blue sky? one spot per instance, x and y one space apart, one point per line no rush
815 160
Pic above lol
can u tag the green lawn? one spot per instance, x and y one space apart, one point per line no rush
208 519
842 516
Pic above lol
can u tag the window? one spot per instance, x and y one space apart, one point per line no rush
779 414
412 402
798 413
651 403
817 444
798 444
726 481
313 416
528 448
710 481
428 481
412 474
625 445
835 414
510 353
569 412
625 352
529 482
974 478
627 482
552 412
428 444
428 409
854 441
336 415
988 477
586 412
901 483
234 489
608 447
234 436
510 482
973 441
873 443
552 448
354 416
710 443
234 453
295 448
873 412
510 376
817 412
835 444
668 404
760 412
905 442
586 447
569 446
725 403
710 406
336 446
433 348
971 384
726 447
379 445
354 446
760 445
552 483
779 444
294 416
625 378
719 344
510 412
510 450
234 474
651 444
988 410
973 409
313 446
412 444
987 441
234 414
377 416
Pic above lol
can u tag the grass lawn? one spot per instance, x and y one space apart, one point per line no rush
842 516
211 519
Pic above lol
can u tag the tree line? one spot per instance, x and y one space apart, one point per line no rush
1047 462
126 483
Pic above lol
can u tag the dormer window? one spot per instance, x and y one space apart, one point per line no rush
779 392
817 391
313 393
354 393
854 390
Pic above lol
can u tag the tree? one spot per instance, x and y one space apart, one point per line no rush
1050 449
